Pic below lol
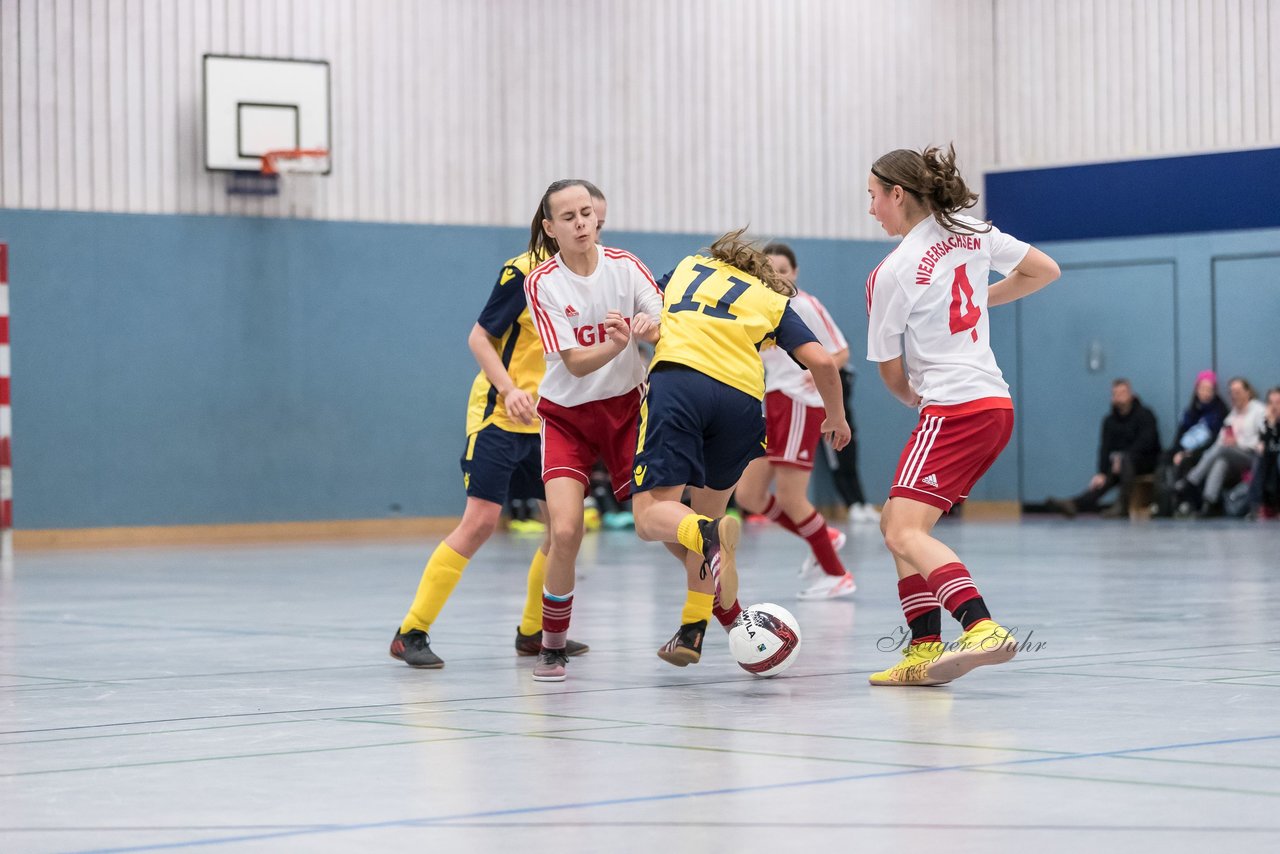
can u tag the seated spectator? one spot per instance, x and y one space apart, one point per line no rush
1231 454
1130 446
1264 488
1197 429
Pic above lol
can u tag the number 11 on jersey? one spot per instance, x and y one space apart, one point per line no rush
962 292
722 306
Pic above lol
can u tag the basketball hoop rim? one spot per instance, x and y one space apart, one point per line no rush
269 159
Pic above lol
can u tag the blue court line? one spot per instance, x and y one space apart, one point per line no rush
671 796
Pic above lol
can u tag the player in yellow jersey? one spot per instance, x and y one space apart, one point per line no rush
701 421
503 458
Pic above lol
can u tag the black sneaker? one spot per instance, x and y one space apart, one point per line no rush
719 548
531 644
685 647
414 649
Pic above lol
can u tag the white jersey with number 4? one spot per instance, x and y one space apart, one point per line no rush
782 373
928 299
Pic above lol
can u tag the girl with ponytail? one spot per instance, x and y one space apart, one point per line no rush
929 332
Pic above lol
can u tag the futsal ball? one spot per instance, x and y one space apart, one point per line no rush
765 640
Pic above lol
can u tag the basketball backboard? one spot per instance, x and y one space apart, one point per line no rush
253 105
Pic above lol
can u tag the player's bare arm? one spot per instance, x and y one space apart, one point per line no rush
894 375
519 402
826 376
1034 272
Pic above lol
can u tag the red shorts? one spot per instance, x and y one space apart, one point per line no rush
793 430
574 437
950 449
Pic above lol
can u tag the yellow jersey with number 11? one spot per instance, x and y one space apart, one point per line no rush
716 318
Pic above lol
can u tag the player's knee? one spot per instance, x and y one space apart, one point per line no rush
897 538
644 525
565 533
475 529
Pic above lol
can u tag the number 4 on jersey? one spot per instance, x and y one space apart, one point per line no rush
961 292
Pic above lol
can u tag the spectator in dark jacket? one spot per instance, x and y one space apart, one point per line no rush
1130 446
1200 422
1264 488
1197 430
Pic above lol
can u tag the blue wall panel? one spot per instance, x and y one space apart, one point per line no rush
181 370
1168 195
1246 310
174 370
1096 324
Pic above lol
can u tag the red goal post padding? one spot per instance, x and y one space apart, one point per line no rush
6 413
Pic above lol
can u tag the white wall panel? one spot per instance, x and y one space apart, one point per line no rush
692 114
1134 78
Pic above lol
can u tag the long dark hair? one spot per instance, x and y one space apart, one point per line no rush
541 244
932 178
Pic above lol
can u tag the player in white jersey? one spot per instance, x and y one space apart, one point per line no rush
930 334
793 417
589 305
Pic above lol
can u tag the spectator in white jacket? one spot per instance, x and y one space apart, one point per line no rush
1232 453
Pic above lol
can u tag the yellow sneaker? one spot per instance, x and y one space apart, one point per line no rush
915 668
987 642
526 526
591 519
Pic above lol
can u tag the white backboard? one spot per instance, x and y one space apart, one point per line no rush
253 105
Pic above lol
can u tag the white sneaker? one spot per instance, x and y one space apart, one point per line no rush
829 587
863 513
811 568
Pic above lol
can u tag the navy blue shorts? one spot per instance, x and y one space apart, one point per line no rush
695 431
498 464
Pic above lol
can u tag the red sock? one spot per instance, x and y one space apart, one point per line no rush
921 608
729 617
956 591
555 619
773 512
814 531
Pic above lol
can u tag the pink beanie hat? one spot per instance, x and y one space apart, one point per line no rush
1207 375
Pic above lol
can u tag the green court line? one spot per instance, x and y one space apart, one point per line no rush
855 738
1119 781
908 765
908 742
702 748
4 744
427 704
856 825
116 766
49 679
1251 674
1205 762
1036 672
488 732
1222 646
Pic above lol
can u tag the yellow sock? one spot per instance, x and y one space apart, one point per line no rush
531 621
689 535
443 570
697 606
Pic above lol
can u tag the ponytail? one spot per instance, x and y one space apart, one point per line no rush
931 176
